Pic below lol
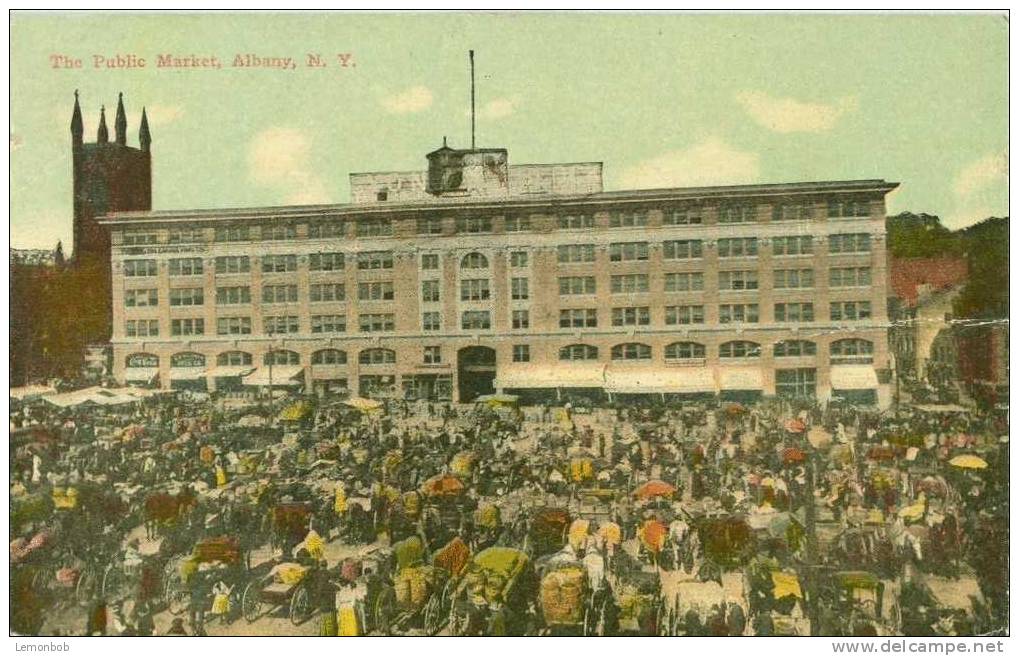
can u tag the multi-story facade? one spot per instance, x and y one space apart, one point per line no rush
477 276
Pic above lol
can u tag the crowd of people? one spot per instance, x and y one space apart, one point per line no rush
188 514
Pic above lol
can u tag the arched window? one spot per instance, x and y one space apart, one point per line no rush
474 261
631 351
684 351
187 360
233 359
739 349
794 348
281 357
329 356
142 360
851 350
578 352
376 356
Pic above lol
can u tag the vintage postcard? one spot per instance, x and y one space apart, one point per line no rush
509 324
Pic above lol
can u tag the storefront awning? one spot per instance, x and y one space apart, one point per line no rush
140 374
741 378
853 377
281 375
187 373
229 371
677 380
568 375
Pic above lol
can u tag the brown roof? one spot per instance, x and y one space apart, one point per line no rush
939 272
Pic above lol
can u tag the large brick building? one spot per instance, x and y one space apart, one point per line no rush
475 275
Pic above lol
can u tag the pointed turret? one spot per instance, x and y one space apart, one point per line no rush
144 138
120 123
103 135
77 127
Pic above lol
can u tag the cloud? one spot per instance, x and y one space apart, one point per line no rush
281 157
709 162
158 115
982 173
498 108
787 115
413 100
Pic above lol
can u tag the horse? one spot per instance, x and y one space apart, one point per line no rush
162 509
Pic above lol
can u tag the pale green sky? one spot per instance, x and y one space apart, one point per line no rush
662 100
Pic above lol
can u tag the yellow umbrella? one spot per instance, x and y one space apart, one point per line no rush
611 533
968 461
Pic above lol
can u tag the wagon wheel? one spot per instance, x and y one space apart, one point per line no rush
300 605
113 581
382 609
459 619
251 602
85 587
236 602
176 596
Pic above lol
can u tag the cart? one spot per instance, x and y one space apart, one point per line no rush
567 602
224 553
494 595
286 585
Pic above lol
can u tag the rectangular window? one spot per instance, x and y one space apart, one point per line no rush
186 236
279 232
850 310
141 298
433 355
849 277
475 289
376 323
683 249
521 353
634 283
374 227
848 208
687 215
519 223
578 318
575 221
683 314
797 245
519 289
280 325
335 229
327 292
628 219
140 268
474 224
576 285
476 320
631 316
233 264
794 312
737 247
233 233
794 278
328 323
570 253
792 212
630 251
375 260
181 327
849 243
431 321
431 225
326 262
430 262
738 313
233 295
518 259
741 213
737 280
684 282
279 263
521 319
279 293
430 291
186 266
140 238
233 326
796 383
375 291
187 296
142 328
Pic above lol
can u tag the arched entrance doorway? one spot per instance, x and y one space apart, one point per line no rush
476 372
